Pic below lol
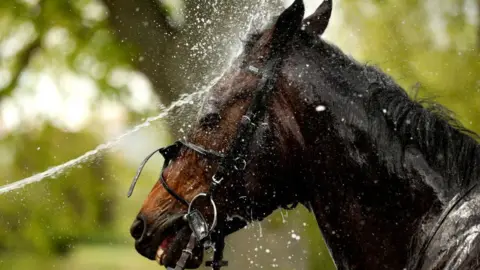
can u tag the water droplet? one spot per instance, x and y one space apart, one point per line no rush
320 108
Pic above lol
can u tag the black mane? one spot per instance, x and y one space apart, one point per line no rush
447 147
396 122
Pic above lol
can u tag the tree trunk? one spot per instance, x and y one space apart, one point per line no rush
478 26
179 60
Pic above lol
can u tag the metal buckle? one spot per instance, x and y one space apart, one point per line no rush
209 246
197 222
243 163
254 70
216 264
215 180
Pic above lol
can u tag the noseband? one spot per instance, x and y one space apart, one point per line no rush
169 153
233 162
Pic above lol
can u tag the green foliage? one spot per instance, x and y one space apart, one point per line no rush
66 36
48 217
430 48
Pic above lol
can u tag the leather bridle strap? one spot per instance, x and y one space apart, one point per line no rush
202 151
248 125
140 169
186 253
169 190
169 152
197 149
218 261
448 209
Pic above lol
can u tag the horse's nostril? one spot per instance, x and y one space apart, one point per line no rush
138 228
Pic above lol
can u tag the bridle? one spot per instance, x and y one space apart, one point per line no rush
169 153
232 163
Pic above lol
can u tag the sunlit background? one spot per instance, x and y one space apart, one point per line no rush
75 74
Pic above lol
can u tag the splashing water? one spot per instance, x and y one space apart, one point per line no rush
185 99
52 172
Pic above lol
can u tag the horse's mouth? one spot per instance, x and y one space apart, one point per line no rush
170 250
167 243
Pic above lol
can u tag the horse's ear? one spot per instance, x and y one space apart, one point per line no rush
288 24
316 23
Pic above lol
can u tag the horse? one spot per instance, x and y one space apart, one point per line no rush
392 181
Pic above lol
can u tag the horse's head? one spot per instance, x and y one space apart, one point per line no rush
245 139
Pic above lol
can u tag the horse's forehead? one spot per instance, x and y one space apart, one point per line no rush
238 79
219 94
234 86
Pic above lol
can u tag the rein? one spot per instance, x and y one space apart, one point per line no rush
448 209
232 163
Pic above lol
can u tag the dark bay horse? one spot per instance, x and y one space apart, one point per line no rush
392 182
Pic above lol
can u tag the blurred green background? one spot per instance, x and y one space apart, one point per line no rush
77 73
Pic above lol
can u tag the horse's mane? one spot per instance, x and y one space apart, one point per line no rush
433 130
398 122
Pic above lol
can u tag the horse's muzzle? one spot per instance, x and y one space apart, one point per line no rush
164 241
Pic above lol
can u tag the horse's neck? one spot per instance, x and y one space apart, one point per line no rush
363 101
371 193
368 215
366 224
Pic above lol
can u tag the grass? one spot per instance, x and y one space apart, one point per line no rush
107 257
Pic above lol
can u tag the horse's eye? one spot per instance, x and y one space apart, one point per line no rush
210 120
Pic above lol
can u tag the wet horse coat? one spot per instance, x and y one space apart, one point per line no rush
456 244
391 181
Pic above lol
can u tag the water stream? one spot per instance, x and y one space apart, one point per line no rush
52 172
183 100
